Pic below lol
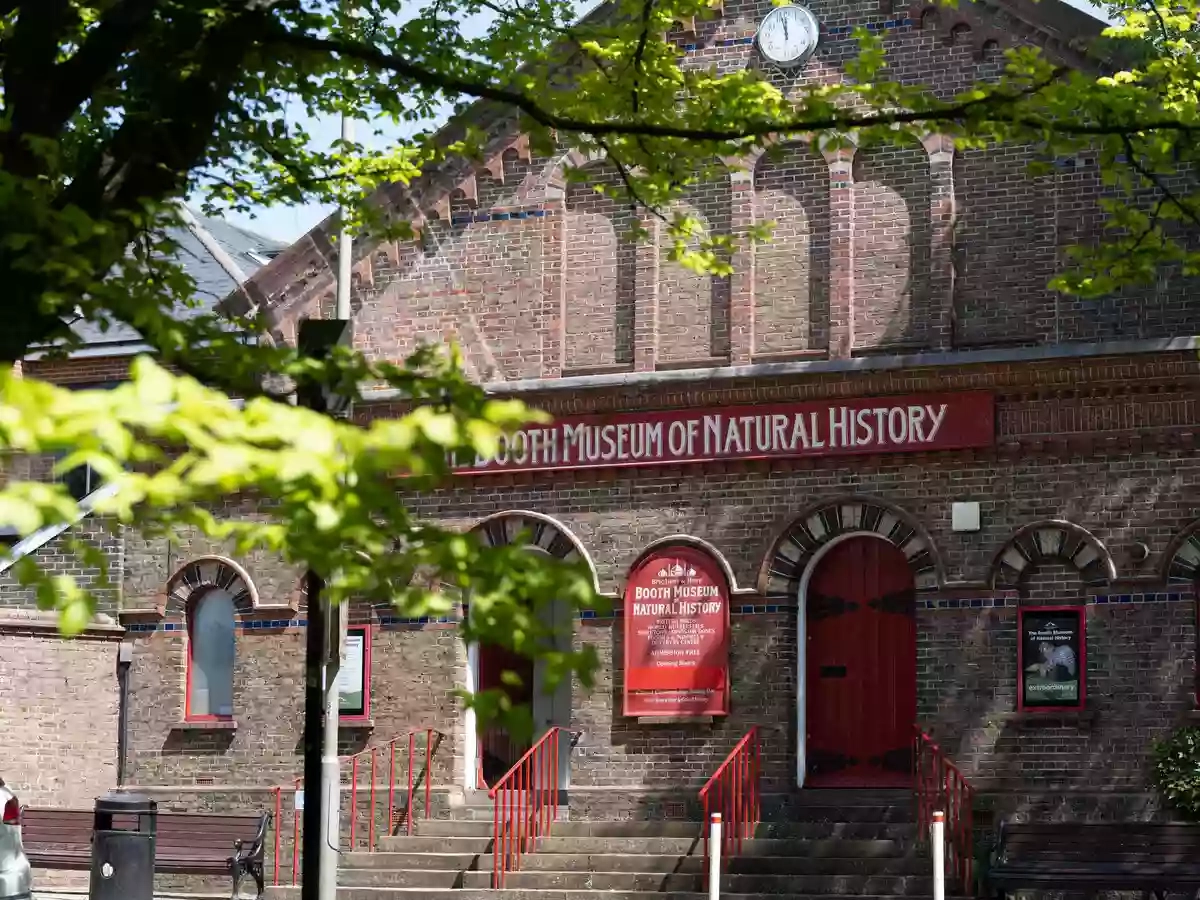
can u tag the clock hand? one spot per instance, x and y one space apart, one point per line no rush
785 29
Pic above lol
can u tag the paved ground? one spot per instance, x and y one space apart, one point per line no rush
82 895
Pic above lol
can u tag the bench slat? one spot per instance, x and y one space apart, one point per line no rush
185 843
1101 856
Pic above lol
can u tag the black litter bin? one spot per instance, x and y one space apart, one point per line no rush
123 848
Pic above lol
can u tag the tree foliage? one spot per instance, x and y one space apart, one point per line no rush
115 110
1177 770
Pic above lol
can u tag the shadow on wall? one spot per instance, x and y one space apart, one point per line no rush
1089 765
893 229
791 271
600 273
198 741
762 663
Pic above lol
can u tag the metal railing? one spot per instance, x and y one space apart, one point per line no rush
497 743
733 791
940 786
416 749
525 804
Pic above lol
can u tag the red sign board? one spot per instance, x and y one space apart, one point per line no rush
779 431
677 636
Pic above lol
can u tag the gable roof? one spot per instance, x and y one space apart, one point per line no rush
202 241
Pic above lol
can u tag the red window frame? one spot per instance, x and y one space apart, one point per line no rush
1081 662
351 718
188 715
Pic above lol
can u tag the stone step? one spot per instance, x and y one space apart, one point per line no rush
575 828
799 836
850 797
732 882
841 812
459 831
390 893
810 858
869 830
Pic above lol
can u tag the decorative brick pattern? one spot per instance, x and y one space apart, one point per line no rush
791 272
693 309
600 276
892 237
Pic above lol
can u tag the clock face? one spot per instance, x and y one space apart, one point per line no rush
788 35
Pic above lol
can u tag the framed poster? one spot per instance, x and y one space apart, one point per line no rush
1051 657
676 620
354 676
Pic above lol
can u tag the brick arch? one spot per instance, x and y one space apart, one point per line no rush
200 575
794 550
1052 539
792 270
600 271
545 533
1182 559
694 309
892 268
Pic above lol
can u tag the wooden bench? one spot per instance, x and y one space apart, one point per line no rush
185 843
1088 857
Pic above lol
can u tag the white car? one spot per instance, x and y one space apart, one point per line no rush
16 880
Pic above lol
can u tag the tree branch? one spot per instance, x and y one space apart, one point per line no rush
1157 181
77 78
640 51
953 112
31 55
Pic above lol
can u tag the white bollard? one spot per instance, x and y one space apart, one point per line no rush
714 857
937 844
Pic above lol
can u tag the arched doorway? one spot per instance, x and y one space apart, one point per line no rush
549 707
496 751
858 665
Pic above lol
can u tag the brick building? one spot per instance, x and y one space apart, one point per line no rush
902 462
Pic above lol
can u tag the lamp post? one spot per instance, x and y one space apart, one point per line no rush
315 339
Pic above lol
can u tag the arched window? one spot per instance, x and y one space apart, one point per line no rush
210 656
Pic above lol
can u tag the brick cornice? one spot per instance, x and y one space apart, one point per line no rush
1143 383
45 624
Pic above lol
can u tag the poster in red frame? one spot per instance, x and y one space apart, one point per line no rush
676 618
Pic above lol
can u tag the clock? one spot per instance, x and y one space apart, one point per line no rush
788 35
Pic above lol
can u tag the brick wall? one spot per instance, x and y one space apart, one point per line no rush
414 671
58 711
55 557
1104 443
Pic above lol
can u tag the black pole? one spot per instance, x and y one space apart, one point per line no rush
315 338
314 708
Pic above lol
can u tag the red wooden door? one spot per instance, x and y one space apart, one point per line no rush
860 666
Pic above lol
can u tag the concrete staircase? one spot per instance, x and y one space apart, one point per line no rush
833 846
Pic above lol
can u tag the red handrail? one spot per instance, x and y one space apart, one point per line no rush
525 804
941 785
395 817
500 744
733 791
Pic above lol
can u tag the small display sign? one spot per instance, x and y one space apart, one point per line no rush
354 675
677 636
1051 655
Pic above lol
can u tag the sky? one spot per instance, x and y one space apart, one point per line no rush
286 224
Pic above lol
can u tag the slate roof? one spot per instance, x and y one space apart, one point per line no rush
249 251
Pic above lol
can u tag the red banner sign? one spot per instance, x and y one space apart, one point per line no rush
815 428
677 636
